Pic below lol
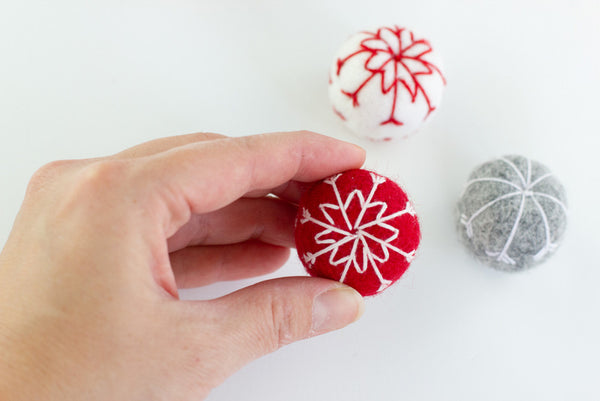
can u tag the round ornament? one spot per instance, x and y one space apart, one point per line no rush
386 82
358 228
512 213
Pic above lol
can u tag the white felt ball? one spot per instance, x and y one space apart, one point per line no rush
385 83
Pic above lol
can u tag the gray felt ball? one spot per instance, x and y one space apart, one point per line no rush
513 213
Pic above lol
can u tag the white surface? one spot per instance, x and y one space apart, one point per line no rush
80 79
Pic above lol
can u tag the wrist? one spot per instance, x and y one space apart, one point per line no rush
23 347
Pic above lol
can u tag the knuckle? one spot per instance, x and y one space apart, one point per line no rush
251 144
100 175
46 174
244 149
286 321
93 184
246 141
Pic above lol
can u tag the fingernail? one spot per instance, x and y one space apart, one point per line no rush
335 309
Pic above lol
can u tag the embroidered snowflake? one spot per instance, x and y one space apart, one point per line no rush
525 189
357 233
398 58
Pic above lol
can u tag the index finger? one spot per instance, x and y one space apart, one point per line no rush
202 177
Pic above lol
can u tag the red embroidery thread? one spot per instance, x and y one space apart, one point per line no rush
340 115
398 61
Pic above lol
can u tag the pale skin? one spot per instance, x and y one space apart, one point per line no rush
89 277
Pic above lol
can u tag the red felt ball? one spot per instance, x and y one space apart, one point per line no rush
358 228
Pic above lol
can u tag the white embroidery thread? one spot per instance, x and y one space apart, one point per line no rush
356 232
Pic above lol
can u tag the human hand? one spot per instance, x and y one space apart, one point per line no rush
89 275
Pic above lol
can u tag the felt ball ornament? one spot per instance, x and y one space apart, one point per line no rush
358 228
384 83
512 213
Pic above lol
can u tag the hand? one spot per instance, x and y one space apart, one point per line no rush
89 275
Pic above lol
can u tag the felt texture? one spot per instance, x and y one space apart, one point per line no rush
386 82
513 213
358 228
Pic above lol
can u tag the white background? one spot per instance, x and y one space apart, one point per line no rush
81 79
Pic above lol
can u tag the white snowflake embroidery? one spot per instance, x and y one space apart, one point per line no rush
356 232
525 191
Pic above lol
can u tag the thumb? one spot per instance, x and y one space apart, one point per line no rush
264 317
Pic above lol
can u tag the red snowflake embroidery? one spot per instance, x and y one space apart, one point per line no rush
395 55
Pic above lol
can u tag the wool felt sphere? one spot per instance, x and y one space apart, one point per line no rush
358 228
512 213
386 82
